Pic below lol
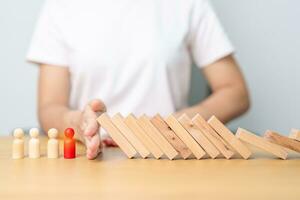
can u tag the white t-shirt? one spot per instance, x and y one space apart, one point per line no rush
135 55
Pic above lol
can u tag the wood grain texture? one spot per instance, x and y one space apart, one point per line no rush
295 134
185 137
260 142
112 176
116 135
132 123
281 140
118 121
169 134
228 136
215 139
197 134
157 137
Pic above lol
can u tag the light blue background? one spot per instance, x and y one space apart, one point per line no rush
265 34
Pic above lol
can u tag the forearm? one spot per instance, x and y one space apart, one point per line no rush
226 104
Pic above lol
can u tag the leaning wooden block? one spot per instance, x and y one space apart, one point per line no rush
295 134
282 140
259 142
197 134
116 135
228 136
185 137
213 137
172 138
118 121
156 136
131 122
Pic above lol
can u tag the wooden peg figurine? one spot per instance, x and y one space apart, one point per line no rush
69 144
53 146
34 144
18 144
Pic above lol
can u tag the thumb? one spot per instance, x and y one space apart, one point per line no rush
97 105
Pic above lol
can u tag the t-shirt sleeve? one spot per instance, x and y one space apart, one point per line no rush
47 44
208 42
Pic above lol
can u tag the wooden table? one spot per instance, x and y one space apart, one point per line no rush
113 176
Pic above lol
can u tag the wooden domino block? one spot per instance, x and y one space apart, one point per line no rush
172 138
156 136
116 135
118 121
185 137
213 137
282 140
131 122
295 134
197 134
260 142
228 136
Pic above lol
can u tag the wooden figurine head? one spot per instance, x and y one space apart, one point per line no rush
18 133
69 133
52 133
34 132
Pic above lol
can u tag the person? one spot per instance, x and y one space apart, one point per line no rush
130 56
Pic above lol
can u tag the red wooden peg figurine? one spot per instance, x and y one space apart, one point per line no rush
69 144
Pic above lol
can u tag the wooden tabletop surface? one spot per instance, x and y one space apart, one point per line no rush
113 176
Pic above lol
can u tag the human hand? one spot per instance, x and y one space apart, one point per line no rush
89 128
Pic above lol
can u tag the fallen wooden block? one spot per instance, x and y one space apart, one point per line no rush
131 122
156 136
260 142
282 140
228 136
116 135
172 138
185 137
212 136
197 134
295 134
118 121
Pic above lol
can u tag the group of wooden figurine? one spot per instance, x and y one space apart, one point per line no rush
34 144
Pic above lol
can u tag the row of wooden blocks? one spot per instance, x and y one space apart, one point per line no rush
185 138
